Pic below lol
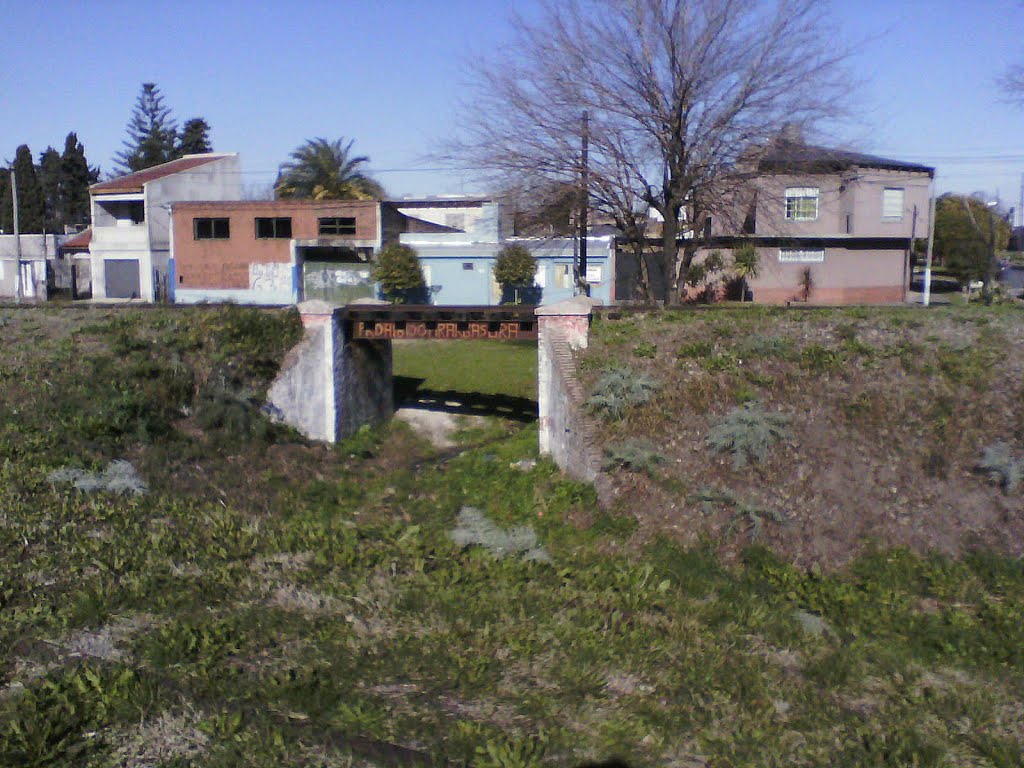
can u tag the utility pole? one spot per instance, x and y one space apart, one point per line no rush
584 203
1020 209
18 290
931 241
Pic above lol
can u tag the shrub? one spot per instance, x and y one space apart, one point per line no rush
747 432
632 455
619 389
399 273
999 463
515 267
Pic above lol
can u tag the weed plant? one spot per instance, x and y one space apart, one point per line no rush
632 455
747 433
619 389
1002 466
474 529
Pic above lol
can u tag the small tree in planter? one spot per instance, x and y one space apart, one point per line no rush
400 276
514 270
745 264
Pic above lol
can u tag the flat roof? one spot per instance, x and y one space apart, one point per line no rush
287 204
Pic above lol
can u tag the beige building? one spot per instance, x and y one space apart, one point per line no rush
831 226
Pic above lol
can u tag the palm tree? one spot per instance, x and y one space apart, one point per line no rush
324 170
746 264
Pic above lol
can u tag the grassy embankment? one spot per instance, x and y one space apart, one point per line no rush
273 603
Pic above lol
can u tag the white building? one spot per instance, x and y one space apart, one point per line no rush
131 236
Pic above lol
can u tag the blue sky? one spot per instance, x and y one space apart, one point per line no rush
389 74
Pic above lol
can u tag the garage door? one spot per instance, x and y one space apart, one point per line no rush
122 278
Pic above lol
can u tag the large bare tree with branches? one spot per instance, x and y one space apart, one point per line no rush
677 91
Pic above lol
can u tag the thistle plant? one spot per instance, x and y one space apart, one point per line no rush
619 389
474 529
1004 469
632 455
748 432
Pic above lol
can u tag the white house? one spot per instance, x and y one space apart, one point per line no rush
131 235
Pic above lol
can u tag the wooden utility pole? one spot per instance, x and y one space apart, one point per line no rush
18 290
584 203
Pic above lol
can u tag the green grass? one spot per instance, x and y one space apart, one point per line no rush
486 367
287 604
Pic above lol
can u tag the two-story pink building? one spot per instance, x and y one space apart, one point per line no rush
845 220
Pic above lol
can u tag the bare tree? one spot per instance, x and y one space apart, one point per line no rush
676 90
1012 85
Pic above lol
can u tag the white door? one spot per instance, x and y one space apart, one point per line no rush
28 282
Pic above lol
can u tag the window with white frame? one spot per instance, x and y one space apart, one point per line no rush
892 203
802 203
801 255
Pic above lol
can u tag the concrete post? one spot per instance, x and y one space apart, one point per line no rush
562 328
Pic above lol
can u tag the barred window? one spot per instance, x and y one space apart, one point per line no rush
802 203
337 225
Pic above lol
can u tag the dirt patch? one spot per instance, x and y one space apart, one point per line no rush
889 412
438 427
171 736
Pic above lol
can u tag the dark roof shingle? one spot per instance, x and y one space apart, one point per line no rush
784 156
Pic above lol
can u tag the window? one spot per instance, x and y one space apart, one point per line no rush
337 225
563 276
802 255
467 266
274 227
802 203
892 204
211 229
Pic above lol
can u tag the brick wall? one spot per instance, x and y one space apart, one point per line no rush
568 433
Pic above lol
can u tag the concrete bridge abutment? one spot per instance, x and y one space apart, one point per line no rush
331 384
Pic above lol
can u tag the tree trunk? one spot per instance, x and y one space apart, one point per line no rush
669 257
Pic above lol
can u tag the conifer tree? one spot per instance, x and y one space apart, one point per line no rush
31 208
152 133
76 176
195 138
49 173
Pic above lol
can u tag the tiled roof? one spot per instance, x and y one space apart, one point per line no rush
133 181
784 156
79 241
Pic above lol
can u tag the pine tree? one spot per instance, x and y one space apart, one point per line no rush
31 208
5 199
195 138
152 133
49 181
76 176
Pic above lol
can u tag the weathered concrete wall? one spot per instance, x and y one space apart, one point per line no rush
567 432
330 385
